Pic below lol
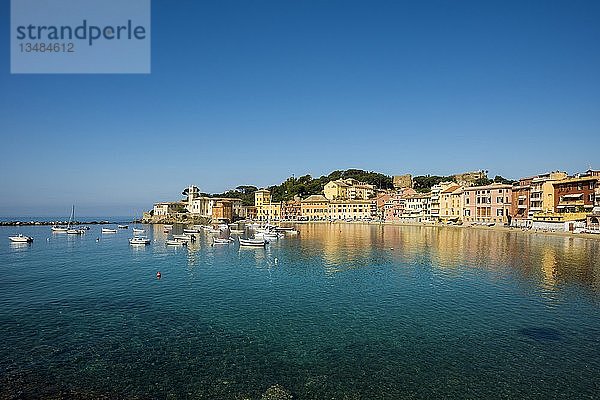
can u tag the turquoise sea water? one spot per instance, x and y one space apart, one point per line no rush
339 312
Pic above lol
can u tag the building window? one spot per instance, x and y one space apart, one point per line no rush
591 197
499 213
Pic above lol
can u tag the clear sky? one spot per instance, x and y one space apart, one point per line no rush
251 92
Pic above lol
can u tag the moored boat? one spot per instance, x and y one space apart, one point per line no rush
59 229
222 241
108 230
139 240
75 231
253 242
191 230
20 238
187 238
268 235
137 231
123 226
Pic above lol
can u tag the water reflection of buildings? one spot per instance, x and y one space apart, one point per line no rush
551 261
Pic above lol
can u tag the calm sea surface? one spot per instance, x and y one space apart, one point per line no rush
339 312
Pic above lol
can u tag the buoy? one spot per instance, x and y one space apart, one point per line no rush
276 260
97 239
158 275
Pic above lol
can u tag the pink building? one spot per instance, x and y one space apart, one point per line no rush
487 204
392 205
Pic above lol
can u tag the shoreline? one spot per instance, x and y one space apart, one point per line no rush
478 227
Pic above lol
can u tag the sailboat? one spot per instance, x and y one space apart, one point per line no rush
136 230
73 231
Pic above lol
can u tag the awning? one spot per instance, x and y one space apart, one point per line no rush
573 196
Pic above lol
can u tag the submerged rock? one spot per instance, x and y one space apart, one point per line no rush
276 392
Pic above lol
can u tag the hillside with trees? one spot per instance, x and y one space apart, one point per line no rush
306 185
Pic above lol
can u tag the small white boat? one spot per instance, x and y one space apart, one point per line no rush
59 229
191 230
175 242
168 226
253 242
222 241
20 238
213 231
236 231
137 230
186 238
123 226
75 231
139 240
268 236
108 230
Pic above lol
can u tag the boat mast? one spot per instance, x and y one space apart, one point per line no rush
71 216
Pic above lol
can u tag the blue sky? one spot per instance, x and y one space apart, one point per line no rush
251 92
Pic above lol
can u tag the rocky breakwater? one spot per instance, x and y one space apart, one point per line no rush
30 223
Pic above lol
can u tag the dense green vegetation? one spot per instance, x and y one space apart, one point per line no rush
306 185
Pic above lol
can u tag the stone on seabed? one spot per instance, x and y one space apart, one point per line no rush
276 392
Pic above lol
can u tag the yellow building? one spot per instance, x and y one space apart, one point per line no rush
351 209
314 208
348 189
265 209
451 203
541 197
436 197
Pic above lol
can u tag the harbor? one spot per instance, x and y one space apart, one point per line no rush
336 311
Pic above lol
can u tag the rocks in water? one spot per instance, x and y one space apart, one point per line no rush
276 392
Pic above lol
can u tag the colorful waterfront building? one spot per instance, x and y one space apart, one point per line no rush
416 207
436 190
266 210
167 208
541 193
348 189
487 204
203 206
575 195
250 212
451 203
291 210
315 208
351 210
222 211
593 219
519 208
